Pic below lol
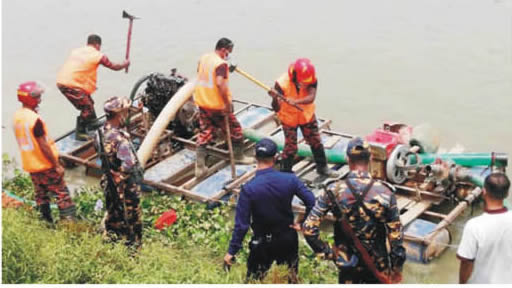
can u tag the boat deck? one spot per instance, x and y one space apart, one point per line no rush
172 170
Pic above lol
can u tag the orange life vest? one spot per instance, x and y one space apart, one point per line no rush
206 93
32 157
288 114
79 70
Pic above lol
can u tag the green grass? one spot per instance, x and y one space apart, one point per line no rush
190 251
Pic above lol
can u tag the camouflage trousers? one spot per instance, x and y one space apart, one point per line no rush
211 120
121 223
80 99
310 133
49 183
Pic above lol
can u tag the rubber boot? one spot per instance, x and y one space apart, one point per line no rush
321 164
46 213
201 168
240 158
93 123
287 164
81 130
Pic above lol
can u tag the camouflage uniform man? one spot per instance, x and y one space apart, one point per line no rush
123 207
39 154
375 222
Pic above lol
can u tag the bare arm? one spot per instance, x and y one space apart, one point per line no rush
47 150
222 84
114 66
466 268
275 100
308 99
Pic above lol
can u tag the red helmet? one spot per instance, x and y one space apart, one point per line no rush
304 70
29 92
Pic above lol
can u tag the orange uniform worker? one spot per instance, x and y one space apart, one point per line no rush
39 154
213 97
77 81
299 85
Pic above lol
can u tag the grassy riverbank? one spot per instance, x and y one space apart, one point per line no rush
190 251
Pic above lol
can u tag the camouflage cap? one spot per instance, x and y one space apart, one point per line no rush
358 148
116 104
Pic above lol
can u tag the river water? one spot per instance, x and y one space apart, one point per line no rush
443 62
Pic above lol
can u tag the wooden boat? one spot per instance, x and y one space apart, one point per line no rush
422 194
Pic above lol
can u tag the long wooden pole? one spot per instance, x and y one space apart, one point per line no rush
262 85
128 43
230 147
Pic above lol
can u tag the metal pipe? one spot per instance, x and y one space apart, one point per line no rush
333 156
463 159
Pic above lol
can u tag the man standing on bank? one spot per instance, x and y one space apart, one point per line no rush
267 200
77 81
485 251
367 219
213 96
124 215
39 154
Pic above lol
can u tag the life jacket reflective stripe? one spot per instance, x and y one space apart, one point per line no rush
32 158
288 114
79 70
206 93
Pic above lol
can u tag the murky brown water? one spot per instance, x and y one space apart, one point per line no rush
445 62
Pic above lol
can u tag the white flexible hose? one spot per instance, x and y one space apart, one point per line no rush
164 118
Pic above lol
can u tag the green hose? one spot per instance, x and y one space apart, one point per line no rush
463 159
333 156
29 202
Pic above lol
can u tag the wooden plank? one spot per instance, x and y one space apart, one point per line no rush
239 181
176 190
434 214
402 202
194 181
331 141
414 212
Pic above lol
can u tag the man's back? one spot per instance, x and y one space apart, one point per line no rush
270 195
486 240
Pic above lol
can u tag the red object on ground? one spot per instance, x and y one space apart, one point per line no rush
166 219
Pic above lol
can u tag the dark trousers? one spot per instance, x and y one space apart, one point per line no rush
282 248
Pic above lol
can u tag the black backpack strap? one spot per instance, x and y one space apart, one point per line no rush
360 197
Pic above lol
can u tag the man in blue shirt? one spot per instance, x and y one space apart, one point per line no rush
267 200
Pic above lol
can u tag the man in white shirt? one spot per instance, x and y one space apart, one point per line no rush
485 251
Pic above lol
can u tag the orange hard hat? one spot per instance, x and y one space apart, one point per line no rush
29 92
305 71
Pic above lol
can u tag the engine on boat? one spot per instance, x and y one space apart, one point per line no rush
159 90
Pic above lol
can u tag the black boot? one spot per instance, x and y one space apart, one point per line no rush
321 163
287 164
81 130
93 123
46 213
